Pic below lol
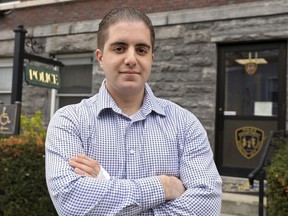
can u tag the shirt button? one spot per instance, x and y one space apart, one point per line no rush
132 151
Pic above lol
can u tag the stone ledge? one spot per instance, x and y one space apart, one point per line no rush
234 11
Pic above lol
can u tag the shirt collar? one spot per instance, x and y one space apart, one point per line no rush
150 102
105 101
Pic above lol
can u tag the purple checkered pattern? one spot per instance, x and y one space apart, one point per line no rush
160 139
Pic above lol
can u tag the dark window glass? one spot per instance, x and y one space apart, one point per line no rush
252 83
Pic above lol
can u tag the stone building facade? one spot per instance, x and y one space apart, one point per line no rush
188 34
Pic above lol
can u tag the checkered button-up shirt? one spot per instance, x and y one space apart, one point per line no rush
160 139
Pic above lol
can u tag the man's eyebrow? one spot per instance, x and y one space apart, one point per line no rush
118 43
143 45
126 44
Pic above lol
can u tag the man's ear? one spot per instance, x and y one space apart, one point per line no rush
99 57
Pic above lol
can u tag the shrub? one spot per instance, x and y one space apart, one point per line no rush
277 179
23 188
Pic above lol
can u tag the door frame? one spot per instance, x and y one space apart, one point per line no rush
220 97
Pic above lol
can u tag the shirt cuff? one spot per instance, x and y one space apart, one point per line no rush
152 192
103 174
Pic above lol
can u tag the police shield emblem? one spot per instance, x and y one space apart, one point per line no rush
249 141
250 68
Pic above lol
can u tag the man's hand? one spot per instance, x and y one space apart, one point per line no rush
173 187
85 165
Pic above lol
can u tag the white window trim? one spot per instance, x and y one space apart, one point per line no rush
53 102
6 62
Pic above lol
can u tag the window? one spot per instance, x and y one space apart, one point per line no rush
252 82
6 74
75 80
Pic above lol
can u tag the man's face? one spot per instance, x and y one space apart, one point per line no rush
126 57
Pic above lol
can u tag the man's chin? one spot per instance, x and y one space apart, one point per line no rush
132 87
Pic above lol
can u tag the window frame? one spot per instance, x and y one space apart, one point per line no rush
7 62
71 59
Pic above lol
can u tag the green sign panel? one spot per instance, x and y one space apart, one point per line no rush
42 76
9 118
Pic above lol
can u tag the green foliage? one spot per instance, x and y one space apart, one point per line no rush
33 125
277 179
23 188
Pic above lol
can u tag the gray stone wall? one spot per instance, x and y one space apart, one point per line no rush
184 70
185 66
36 98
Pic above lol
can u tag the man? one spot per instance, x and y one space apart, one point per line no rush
124 151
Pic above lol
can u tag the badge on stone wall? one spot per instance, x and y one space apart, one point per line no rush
249 141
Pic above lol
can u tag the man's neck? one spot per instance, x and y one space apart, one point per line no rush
129 104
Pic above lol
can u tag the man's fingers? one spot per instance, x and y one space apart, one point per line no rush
79 165
173 187
81 158
81 172
85 165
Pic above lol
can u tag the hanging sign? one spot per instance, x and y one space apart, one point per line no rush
9 118
42 76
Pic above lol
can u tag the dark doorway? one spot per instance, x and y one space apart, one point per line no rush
251 101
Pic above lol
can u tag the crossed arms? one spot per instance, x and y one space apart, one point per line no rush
75 190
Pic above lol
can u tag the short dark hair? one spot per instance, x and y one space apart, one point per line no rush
122 14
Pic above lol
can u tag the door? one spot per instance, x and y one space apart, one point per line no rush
251 101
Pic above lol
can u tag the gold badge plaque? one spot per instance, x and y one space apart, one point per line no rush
249 141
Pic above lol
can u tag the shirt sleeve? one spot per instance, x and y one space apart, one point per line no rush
199 175
73 194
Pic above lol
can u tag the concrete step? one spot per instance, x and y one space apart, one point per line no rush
227 214
238 199
239 204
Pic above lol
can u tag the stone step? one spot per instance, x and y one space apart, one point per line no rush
238 199
227 214
239 204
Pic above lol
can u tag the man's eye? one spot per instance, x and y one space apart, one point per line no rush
142 51
119 49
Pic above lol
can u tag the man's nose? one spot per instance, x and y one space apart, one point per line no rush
130 58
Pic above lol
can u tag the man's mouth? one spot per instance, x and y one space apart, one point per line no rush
129 72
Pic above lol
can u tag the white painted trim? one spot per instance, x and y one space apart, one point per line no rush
53 97
6 62
53 102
